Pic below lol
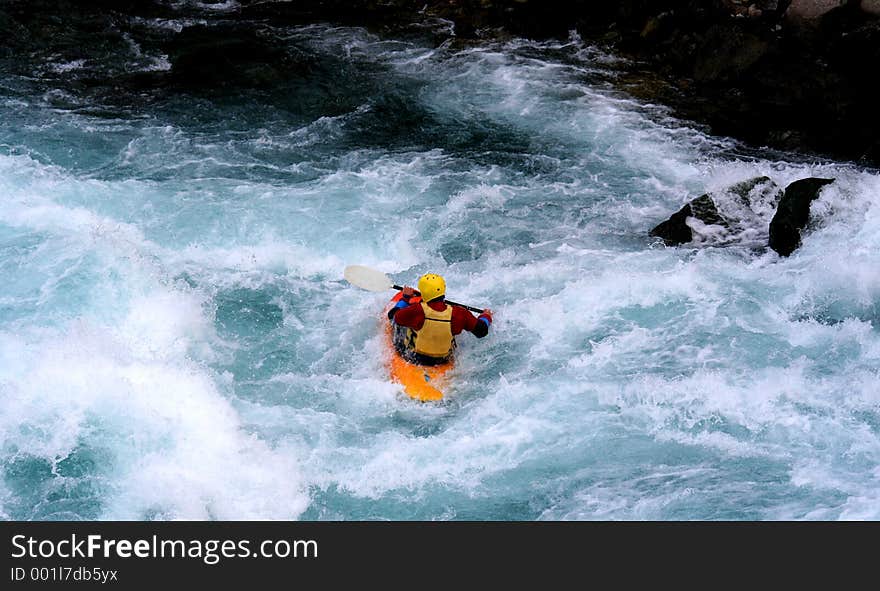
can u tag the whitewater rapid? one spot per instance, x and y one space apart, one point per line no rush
177 341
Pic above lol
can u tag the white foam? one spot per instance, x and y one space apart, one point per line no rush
228 6
176 447
67 66
129 377
495 438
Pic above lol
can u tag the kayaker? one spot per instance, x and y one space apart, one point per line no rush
425 330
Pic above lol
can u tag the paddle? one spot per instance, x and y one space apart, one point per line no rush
375 280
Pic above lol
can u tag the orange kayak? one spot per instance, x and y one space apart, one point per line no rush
420 382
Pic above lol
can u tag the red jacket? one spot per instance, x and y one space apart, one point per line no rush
412 316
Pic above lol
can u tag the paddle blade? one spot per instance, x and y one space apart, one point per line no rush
367 278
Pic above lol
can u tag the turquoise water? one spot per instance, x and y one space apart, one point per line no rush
177 341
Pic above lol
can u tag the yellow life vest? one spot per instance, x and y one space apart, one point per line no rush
435 337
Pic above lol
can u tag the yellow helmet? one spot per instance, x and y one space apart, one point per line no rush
431 286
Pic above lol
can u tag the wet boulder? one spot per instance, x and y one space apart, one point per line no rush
738 210
793 214
811 9
228 55
749 204
727 52
676 229
756 193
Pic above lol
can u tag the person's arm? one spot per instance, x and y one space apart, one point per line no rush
403 302
405 313
484 321
464 320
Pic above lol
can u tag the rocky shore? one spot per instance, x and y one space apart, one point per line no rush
787 74
755 213
784 74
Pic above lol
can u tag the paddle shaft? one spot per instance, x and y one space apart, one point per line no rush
450 302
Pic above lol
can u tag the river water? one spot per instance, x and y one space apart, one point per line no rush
177 340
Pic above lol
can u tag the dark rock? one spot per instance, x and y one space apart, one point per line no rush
738 213
726 52
228 55
793 214
871 7
675 230
747 207
768 5
753 199
704 209
807 10
743 189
